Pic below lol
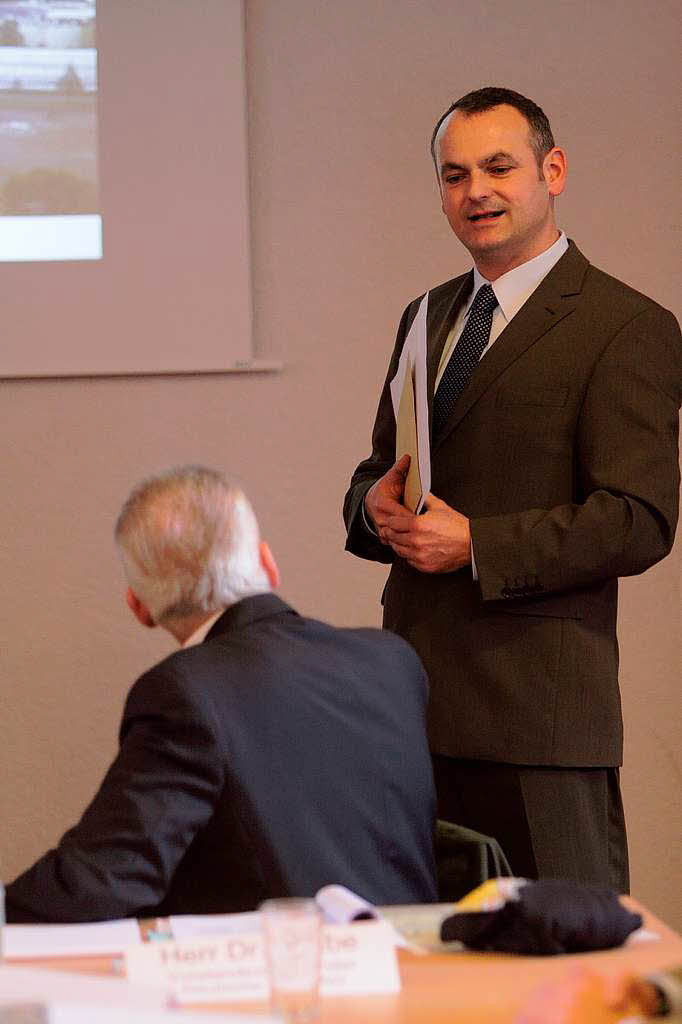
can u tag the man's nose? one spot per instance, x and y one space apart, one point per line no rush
478 186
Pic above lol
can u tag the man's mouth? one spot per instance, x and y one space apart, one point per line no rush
486 215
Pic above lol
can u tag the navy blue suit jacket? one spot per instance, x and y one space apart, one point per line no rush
278 756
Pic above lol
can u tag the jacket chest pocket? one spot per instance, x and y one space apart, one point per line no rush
536 415
536 396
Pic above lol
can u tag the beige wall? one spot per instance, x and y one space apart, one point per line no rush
346 229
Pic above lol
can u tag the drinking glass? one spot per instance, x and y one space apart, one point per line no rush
292 930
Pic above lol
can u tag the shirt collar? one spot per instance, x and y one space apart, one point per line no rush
200 634
516 286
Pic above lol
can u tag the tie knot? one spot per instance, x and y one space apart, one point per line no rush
484 300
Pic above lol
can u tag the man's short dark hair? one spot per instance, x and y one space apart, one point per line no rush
476 102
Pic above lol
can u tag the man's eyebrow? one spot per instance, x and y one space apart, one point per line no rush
449 166
500 155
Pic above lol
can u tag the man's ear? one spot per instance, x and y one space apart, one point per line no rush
139 610
554 171
267 560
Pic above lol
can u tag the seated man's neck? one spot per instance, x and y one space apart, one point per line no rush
183 629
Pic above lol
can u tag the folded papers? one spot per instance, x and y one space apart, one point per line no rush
342 906
411 410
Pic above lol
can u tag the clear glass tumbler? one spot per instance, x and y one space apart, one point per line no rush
292 932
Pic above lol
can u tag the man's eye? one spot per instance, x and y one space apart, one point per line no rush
500 169
452 179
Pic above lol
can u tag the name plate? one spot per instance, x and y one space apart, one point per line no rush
357 959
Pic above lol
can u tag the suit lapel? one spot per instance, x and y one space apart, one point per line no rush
554 298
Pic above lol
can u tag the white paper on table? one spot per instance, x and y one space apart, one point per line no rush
103 938
39 984
70 1012
342 906
221 968
58 997
189 926
357 959
338 904
110 938
413 362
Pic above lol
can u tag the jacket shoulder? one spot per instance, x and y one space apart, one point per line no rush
176 677
383 642
614 295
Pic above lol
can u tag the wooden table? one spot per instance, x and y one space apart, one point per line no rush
462 988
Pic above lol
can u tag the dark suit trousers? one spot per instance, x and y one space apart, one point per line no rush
550 822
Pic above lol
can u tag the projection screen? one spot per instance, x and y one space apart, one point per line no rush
124 244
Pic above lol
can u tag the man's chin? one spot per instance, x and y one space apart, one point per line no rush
484 244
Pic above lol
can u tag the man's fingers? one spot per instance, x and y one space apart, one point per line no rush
431 502
404 544
403 464
387 513
405 551
402 522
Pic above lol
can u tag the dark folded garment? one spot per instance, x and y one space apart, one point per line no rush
548 917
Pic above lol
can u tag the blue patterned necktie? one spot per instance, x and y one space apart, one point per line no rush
465 357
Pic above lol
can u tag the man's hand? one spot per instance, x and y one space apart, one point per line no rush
383 500
437 541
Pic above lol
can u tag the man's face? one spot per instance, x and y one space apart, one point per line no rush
495 197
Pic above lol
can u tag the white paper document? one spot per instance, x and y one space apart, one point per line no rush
343 906
40 984
411 410
357 959
104 938
67 1012
39 996
110 938
190 926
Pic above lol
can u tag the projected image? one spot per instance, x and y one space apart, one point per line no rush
49 207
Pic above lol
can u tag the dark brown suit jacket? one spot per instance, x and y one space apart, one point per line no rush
562 451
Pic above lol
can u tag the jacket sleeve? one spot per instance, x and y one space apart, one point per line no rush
626 477
360 540
160 790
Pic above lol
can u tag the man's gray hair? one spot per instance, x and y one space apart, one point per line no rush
189 542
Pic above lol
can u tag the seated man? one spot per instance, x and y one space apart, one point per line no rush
270 756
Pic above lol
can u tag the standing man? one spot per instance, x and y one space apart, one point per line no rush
553 396
270 756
